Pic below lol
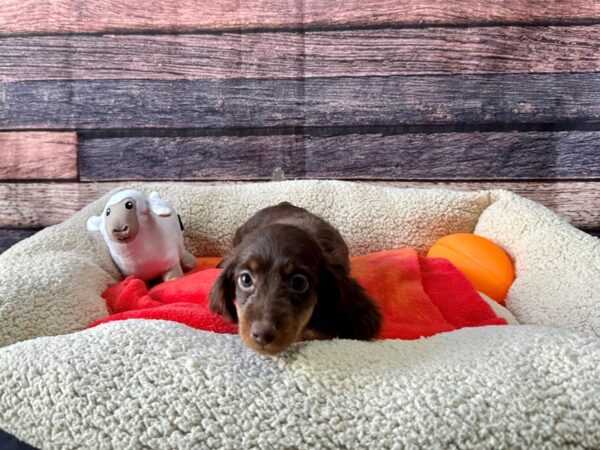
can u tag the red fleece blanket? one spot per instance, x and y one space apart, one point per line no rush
418 296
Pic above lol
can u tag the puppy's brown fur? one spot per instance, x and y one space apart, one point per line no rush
287 278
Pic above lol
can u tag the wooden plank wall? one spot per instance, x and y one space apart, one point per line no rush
465 94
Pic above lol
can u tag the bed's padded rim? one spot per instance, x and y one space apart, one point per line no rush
51 283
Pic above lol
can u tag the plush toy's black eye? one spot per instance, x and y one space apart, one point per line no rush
129 205
108 211
299 283
245 280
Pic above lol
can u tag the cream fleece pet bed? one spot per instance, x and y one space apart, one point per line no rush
155 384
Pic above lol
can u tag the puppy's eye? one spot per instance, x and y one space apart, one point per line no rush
245 280
108 212
299 283
129 205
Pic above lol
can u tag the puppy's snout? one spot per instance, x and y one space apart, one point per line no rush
263 332
122 230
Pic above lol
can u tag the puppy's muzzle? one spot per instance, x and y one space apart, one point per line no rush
263 333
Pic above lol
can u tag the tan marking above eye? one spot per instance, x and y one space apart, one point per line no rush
288 269
253 265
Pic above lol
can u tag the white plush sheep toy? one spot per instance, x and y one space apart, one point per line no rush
144 236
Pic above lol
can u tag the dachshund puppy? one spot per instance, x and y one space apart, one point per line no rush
287 279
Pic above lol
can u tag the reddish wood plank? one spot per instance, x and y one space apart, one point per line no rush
440 51
33 205
38 155
65 16
428 51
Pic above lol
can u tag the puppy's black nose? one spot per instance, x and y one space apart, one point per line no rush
262 332
122 230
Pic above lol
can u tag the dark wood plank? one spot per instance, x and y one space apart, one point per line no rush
35 205
67 16
456 156
10 236
453 99
180 158
38 155
431 51
294 102
148 104
415 156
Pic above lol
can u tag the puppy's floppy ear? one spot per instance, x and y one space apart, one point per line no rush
350 310
222 293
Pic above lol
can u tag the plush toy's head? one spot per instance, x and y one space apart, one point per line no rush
120 219
122 224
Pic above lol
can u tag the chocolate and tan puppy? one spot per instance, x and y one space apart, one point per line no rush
287 279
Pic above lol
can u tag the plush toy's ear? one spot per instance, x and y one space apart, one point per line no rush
159 206
94 223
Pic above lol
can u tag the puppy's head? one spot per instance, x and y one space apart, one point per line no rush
273 277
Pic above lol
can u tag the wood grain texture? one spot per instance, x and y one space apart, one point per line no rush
295 102
67 16
33 205
38 155
492 155
428 51
456 156
178 158
149 104
10 236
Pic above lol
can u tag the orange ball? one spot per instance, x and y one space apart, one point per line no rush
485 264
